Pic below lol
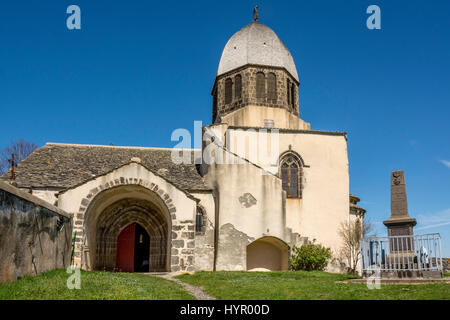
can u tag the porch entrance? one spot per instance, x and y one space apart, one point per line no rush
133 249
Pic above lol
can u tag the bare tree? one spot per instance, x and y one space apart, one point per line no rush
351 233
20 149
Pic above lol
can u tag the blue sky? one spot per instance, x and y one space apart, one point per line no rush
137 70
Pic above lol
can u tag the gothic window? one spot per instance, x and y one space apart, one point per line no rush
200 220
238 86
260 85
272 86
291 173
228 90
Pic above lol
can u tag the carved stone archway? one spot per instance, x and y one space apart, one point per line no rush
159 204
119 215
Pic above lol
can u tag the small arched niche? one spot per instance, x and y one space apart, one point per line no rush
268 253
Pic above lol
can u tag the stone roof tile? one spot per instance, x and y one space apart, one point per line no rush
64 165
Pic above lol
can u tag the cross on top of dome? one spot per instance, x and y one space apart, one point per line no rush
255 14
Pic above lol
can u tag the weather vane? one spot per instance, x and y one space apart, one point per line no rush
255 14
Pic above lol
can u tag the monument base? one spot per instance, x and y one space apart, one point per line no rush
401 260
406 274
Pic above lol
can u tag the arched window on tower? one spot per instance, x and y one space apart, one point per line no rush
291 168
238 86
288 92
272 86
228 90
293 96
260 85
200 220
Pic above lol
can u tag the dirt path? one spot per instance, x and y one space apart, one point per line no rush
197 292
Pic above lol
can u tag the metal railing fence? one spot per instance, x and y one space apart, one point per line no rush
402 253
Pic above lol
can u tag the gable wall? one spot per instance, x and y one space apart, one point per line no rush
180 207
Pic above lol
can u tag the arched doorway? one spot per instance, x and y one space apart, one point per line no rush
267 253
133 249
128 229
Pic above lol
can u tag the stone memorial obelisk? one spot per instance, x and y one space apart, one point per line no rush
402 260
400 223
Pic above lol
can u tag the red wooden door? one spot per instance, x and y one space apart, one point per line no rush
125 249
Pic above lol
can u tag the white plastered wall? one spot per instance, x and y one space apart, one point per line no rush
250 206
325 199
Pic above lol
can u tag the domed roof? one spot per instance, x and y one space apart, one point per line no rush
256 44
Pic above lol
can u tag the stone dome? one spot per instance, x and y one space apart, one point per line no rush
256 44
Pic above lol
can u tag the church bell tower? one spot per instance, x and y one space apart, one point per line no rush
257 78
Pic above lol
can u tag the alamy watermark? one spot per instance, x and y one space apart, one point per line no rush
74 20
374 280
374 20
257 145
74 280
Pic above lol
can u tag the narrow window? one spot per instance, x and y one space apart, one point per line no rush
293 96
238 86
199 220
272 86
290 172
285 176
260 85
293 180
228 90
288 92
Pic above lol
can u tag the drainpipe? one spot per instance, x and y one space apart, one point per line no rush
216 225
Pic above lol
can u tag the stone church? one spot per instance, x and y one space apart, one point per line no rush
135 209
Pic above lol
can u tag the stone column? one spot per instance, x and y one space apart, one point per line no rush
400 223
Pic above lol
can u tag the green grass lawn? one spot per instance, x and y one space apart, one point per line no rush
222 285
94 285
315 285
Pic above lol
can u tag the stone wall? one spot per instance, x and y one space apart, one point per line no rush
204 238
183 246
35 236
446 265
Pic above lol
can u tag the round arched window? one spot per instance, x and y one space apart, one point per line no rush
228 90
260 85
272 86
238 86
